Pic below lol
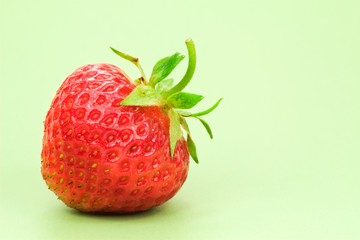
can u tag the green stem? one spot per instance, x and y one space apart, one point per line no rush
189 72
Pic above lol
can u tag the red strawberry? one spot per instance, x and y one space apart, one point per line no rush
113 145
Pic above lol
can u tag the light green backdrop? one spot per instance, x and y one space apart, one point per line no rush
285 160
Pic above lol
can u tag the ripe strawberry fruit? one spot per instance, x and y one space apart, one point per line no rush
113 145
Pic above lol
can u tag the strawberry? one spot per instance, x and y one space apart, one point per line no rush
114 145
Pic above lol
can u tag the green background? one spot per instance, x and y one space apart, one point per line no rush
284 162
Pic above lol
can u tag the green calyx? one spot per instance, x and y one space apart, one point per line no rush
159 91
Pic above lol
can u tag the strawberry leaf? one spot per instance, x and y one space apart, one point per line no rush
125 56
184 100
189 141
143 95
207 127
175 131
132 59
184 113
164 67
164 85
192 148
184 124
208 110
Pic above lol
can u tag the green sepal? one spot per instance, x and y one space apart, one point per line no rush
132 59
206 125
175 130
184 124
192 149
184 113
183 100
125 56
190 143
164 67
164 85
143 95
206 111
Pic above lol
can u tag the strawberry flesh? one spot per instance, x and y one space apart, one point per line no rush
99 156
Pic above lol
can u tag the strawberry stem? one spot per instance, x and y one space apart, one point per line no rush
189 72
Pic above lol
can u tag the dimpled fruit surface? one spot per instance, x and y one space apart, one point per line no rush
99 156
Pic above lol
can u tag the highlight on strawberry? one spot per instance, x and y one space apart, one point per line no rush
115 145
